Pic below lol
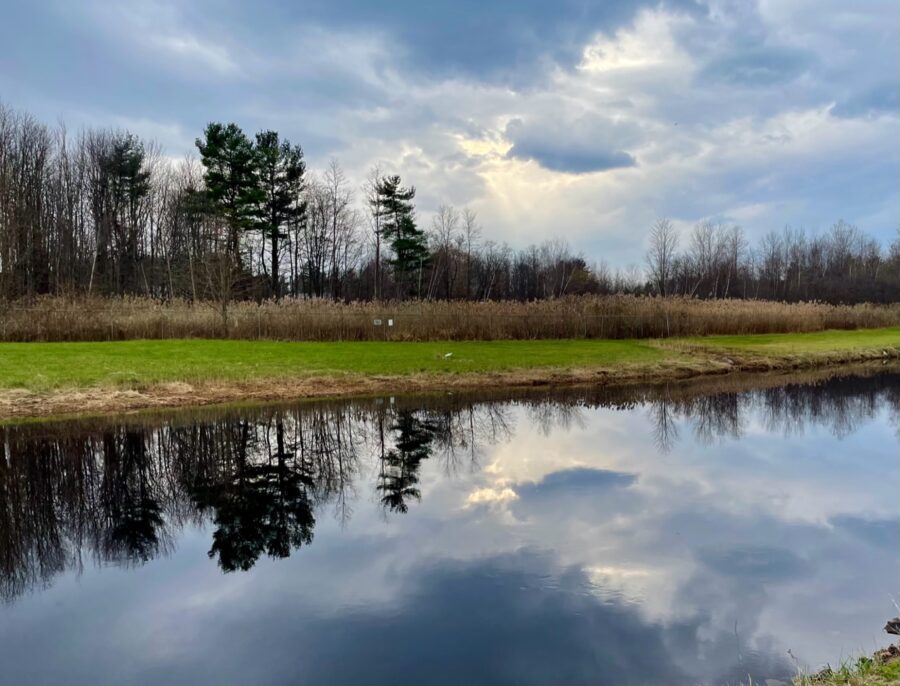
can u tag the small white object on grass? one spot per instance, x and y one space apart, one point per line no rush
448 356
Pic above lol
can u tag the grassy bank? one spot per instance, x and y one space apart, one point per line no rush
52 378
863 672
42 366
795 344
616 317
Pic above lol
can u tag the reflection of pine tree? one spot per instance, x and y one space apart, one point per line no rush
134 516
135 530
400 466
262 508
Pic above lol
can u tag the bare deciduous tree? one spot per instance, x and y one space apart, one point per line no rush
661 254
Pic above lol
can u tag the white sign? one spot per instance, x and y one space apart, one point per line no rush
377 322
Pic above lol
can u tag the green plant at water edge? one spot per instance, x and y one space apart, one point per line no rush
864 671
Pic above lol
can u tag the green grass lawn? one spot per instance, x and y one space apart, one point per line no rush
44 366
803 343
41 366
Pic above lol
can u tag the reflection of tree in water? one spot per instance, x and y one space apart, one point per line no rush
553 414
120 494
399 475
62 497
261 507
133 516
462 429
893 394
840 404
664 421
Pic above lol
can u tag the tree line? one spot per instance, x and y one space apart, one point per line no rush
842 264
103 212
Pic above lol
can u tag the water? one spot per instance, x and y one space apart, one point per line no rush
679 535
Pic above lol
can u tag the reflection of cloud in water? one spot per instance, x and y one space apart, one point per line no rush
879 532
487 496
517 620
705 552
571 482
753 564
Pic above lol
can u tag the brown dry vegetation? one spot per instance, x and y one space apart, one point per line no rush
98 319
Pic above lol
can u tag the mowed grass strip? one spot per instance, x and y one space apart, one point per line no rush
802 343
141 363
135 364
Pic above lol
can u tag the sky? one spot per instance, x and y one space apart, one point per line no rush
573 119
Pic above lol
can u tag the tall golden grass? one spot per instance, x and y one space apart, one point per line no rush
58 319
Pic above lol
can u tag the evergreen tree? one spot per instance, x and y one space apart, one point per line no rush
281 177
398 225
232 184
128 185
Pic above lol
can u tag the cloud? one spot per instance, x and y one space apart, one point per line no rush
571 160
586 145
191 49
580 120
757 66
490 42
162 31
883 98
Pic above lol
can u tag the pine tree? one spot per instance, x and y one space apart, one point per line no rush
408 242
232 185
128 184
281 170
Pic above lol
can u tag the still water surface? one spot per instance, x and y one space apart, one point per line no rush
676 535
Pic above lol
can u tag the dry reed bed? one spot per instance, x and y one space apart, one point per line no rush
59 319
